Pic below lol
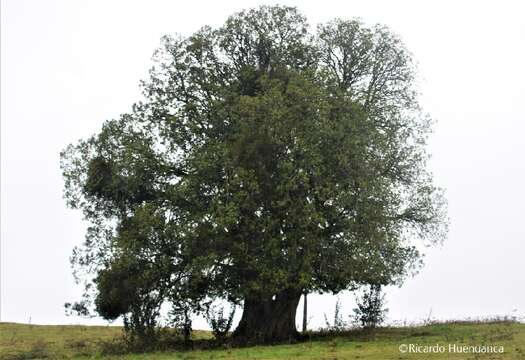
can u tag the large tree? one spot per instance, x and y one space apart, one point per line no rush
264 162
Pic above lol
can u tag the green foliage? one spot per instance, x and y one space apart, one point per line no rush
263 160
79 308
370 311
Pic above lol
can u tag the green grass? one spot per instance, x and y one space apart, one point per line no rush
18 341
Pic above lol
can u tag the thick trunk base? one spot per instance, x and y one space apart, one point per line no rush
267 320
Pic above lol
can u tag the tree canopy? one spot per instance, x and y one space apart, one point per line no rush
265 161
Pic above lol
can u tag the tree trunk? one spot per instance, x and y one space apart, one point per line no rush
270 319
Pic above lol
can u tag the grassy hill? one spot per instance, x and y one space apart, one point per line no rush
19 341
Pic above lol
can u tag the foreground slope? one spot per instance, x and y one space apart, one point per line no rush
18 341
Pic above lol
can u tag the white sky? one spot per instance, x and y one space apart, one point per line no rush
66 66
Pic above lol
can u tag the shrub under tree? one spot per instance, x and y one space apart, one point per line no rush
370 311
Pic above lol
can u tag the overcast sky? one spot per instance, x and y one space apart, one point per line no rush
66 66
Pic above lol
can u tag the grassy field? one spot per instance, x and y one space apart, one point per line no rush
18 341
